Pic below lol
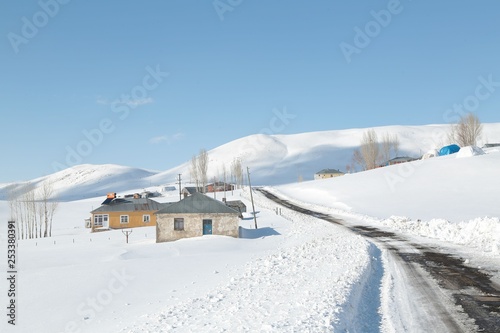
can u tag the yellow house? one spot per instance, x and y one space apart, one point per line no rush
328 173
118 213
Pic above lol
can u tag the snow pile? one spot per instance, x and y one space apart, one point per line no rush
469 151
430 154
480 233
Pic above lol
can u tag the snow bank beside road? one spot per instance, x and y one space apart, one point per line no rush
480 233
303 288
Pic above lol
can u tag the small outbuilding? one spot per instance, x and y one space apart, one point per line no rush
237 205
189 190
194 216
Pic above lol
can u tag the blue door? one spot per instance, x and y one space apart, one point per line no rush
207 227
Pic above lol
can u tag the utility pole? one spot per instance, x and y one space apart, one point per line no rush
251 198
214 188
180 185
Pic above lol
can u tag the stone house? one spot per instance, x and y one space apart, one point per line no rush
194 216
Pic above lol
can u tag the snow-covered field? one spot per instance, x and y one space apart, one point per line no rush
273 278
295 273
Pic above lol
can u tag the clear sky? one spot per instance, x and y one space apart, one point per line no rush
149 83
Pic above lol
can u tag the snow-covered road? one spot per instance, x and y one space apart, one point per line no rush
423 289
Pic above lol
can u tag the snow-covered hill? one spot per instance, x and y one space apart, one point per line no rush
273 159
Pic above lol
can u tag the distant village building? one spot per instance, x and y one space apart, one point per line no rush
218 187
120 213
328 173
398 160
196 215
491 145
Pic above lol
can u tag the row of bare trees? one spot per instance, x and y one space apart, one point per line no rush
33 210
199 171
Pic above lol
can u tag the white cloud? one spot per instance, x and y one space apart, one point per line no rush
137 102
169 139
129 102
102 101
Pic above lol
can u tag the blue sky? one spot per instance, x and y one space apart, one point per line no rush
199 74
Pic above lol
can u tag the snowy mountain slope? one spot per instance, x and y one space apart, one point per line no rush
87 180
450 187
275 159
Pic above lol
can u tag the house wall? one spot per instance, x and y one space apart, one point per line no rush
327 175
134 218
222 224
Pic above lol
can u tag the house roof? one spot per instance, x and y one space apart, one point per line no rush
130 205
195 204
235 203
329 171
402 159
189 189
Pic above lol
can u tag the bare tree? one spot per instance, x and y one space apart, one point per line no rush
193 169
48 207
467 131
390 144
372 152
368 154
237 172
203 168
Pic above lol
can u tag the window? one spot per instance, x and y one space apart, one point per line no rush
101 220
123 219
146 218
178 224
